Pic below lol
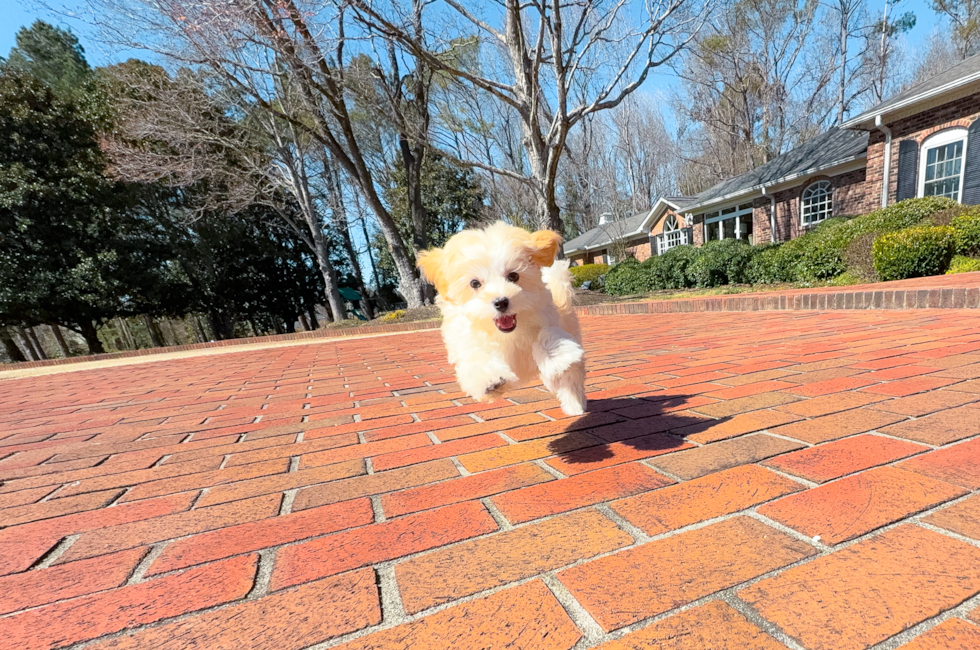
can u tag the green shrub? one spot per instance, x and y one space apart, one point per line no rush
626 278
587 273
669 271
914 252
967 226
859 257
768 265
945 217
836 244
963 264
720 262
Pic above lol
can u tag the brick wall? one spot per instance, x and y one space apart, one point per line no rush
640 248
851 197
961 112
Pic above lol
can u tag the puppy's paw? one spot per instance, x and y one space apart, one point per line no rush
572 402
496 388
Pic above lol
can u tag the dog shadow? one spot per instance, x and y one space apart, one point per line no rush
641 424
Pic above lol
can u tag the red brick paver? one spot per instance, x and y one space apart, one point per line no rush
346 494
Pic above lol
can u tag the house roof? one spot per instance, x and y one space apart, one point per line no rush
827 150
606 233
630 227
963 74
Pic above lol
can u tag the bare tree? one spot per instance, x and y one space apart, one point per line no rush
172 131
964 16
753 85
939 55
645 151
257 48
881 56
552 63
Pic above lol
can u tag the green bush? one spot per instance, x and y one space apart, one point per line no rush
626 278
774 263
885 220
914 252
840 243
670 270
967 226
587 273
720 262
963 264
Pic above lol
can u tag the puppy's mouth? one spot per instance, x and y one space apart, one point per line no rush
506 322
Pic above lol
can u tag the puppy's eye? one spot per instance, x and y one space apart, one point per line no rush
513 277
475 284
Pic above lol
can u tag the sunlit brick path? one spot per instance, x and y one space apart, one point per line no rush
743 480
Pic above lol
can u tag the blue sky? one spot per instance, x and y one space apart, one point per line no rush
15 14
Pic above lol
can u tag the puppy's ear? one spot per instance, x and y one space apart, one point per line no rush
544 246
431 264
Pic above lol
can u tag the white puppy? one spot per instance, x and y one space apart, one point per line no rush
507 313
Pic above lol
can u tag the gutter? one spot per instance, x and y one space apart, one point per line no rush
886 172
750 191
772 214
857 122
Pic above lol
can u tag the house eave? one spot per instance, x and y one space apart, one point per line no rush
866 121
837 167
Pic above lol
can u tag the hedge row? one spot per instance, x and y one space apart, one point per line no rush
908 239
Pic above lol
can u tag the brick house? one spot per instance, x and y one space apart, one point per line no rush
640 236
925 141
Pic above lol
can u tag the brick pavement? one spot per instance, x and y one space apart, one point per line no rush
743 480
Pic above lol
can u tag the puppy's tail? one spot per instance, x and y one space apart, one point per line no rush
559 282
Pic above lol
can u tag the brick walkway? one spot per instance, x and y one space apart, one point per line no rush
743 480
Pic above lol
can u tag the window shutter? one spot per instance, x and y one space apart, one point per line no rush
908 164
686 235
971 166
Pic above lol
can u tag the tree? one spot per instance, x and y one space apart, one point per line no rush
552 64
453 199
52 55
880 54
246 267
752 86
172 130
258 50
71 251
964 16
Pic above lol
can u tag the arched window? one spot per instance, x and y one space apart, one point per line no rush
673 234
817 203
941 164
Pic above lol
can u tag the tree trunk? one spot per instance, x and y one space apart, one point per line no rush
36 342
91 336
304 322
155 339
314 323
25 343
329 273
341 226
10 346
222 325
127 336
60 338
290 325
199 329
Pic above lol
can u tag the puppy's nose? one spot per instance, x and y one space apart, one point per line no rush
501 304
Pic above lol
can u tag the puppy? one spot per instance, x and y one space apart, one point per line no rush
507 313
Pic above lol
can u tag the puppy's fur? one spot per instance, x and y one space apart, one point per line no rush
507 313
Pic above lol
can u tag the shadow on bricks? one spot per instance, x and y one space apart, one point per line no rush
626 429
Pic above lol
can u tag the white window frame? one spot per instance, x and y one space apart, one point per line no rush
739 211
829 194
673 235
944 137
